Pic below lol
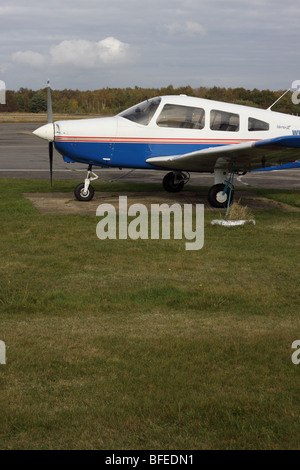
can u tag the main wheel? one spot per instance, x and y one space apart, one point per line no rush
216 198
170 185
79 193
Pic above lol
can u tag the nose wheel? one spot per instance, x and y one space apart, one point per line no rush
85 191
82 194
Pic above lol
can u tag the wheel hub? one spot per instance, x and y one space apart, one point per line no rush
221 198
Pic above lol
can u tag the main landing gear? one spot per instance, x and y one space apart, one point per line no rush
174 181
220 194
85 191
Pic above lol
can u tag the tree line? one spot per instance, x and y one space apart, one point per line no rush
114 100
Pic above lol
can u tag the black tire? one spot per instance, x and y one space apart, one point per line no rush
78 192
170 185
216 198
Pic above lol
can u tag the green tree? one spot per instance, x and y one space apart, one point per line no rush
38 103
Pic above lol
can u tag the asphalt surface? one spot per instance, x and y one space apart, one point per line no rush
23 155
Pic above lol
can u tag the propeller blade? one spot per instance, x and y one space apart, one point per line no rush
51 160
50 120
49 103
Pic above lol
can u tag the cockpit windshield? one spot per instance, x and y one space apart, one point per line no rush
143 112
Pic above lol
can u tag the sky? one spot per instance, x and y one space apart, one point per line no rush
94 44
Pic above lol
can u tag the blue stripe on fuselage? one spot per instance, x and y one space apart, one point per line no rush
125 155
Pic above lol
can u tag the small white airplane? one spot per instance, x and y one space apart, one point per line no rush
178 133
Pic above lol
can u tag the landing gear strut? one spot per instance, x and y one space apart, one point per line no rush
85 191
174 181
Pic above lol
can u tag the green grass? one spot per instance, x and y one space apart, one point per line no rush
143 345
288 197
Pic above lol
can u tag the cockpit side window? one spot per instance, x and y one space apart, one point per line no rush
257 125
176 116
142 113
223 121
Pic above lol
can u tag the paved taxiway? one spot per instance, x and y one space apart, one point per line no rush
23 155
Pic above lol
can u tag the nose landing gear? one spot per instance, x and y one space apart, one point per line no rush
85 191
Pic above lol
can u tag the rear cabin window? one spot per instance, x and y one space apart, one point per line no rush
257 125
223 121
185 117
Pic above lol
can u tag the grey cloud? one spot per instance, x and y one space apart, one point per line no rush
196 42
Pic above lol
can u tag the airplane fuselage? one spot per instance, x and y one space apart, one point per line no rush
121 142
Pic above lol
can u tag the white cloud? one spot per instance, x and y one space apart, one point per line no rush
4 68
33 59
78 53
188 28
195 29
113 50
88 54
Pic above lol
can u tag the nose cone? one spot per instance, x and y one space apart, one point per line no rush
45 132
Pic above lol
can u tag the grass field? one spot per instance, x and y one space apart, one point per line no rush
143 345
40 117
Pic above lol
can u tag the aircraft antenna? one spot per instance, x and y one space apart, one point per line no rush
269 108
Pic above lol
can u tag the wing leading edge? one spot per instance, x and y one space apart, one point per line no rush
245 156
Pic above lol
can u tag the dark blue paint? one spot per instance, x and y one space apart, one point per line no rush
134 155
285 166
284 141
123 155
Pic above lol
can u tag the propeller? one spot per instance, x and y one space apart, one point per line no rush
50 121
51 160
46 131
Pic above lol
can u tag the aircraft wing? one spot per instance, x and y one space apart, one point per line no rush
244 156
